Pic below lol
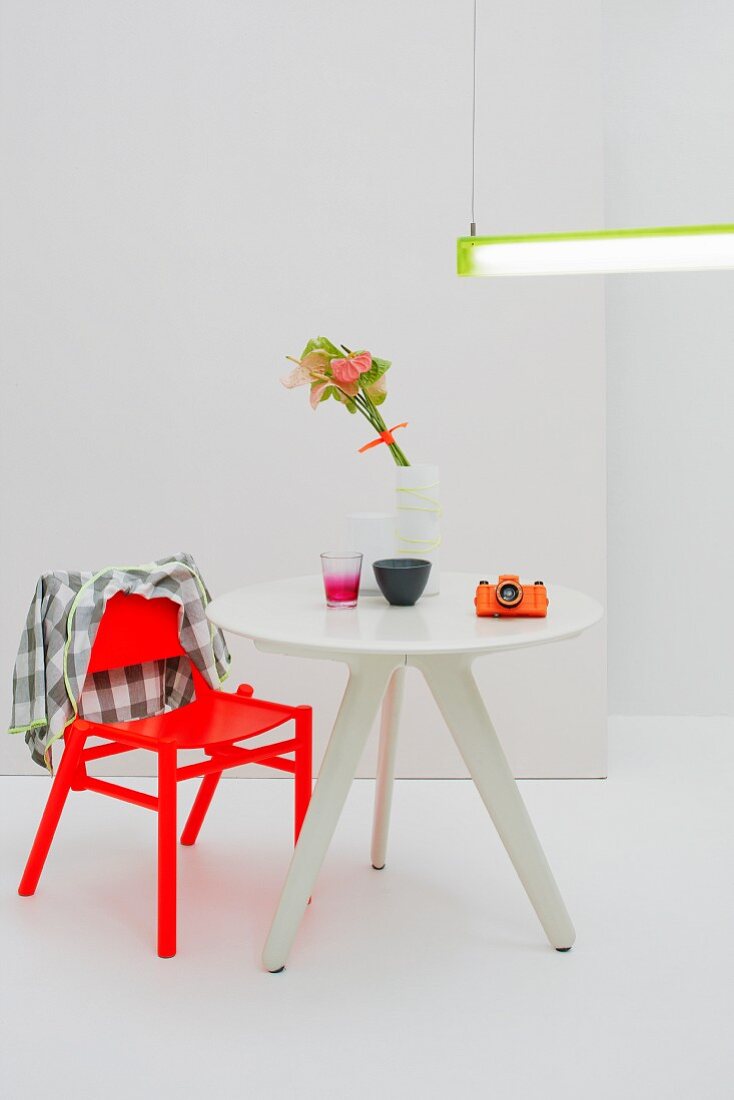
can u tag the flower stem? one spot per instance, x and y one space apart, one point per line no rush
369 410
395 450
367 413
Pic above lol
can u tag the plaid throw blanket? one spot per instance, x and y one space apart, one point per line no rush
50 683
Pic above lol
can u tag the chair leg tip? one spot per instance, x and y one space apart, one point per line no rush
278 971
563 949
376 868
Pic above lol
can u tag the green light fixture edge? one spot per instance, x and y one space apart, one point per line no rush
589 252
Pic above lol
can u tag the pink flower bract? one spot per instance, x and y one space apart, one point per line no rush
349 370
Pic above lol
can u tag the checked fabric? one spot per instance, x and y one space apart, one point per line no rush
50 682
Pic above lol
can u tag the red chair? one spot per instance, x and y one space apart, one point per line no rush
134 630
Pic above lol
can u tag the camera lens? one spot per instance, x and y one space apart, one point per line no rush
509 593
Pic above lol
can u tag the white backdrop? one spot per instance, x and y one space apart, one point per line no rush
191 188
669 67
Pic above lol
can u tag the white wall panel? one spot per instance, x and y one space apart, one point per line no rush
190 190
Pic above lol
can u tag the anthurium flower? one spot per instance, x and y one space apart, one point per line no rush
356 381
349 370
340 390
311 368
377 392
351 389
314 369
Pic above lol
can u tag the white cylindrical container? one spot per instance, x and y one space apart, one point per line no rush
373 534
418 518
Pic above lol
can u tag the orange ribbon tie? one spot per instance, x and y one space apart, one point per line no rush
383 437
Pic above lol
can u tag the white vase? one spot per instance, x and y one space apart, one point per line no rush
373 534
418 518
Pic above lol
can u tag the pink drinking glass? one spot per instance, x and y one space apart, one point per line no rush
341 569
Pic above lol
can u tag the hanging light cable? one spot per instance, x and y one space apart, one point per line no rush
473 226
606 251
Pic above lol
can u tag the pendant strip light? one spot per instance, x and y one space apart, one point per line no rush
606 251
673 248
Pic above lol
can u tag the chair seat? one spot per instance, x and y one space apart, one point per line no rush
218 718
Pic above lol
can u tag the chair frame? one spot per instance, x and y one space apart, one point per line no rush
134 630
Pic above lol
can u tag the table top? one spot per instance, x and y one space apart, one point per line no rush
291 615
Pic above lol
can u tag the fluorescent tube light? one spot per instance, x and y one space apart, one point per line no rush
675 248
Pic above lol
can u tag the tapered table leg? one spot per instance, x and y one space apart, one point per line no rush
454 688
368 679
391 707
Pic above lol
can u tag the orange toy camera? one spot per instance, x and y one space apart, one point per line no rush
508 598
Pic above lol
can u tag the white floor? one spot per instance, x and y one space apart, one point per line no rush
428 979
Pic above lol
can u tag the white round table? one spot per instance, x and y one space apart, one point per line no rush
441 636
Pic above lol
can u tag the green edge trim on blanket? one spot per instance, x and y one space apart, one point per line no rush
31 726
110 569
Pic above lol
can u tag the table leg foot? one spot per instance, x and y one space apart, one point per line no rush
368 679
455 690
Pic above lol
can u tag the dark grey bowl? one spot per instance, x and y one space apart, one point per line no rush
402 580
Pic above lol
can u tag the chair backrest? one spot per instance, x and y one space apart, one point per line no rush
134 630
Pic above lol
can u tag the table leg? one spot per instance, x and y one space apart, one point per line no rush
455 690
391 707
368 679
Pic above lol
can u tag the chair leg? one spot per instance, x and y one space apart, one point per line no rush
167 850
52 812
303 777
201 805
